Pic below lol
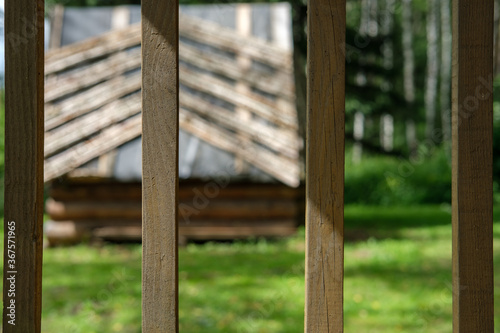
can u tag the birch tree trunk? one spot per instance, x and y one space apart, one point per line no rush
387 129
408 72
444 91
387 27
359 129
432 68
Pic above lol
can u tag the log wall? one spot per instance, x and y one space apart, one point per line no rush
103 210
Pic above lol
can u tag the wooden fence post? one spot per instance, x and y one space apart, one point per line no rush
24 61
160 123
472 96
325 166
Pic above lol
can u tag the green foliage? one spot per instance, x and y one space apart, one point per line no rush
383 180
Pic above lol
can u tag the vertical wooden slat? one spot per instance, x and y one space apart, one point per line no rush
325 167
160 115
24 59
472 166
56 27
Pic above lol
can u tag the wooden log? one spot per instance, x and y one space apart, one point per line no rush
192 28
269 136
276 81
472 202
252 102
325 166
23 205
89 100
279 83
75 54
101 192
216 189
281 168
72 232
230 209
229 40
87 76
160 165
65 233
87 125
237 229
103 142
131 233
198 208
282 141
61 211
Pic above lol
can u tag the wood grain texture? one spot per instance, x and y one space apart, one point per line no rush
472 166
24 61
325 167
160 124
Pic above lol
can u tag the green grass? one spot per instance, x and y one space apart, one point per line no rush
397 279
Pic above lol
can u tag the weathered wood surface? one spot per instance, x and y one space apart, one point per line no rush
73 55
229 40
281 141
472 96
192 28
113 191
88 124
281 168
202 208
71 232
91 99
325 167
23 205
108 139
85 95
258 105
117 64
160 165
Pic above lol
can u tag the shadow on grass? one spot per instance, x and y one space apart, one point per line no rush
362 223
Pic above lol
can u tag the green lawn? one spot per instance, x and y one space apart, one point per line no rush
397 279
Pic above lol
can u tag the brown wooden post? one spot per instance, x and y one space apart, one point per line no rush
325 166
160 124
24 61
472 96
